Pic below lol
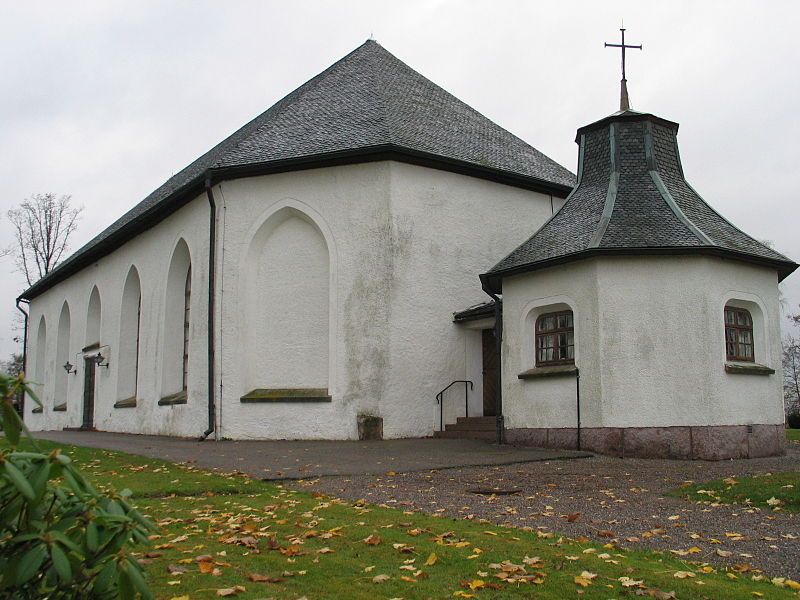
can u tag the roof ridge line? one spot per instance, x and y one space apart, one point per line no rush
734 226
387 124
715 211
611 194
474 111
555 214
670 201
664 192
283 103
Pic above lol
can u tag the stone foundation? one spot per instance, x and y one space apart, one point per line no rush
716 442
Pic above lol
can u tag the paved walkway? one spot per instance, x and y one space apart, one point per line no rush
286 459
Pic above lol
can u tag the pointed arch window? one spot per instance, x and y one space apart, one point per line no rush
39 372
177 328
138 339
130 332
187 300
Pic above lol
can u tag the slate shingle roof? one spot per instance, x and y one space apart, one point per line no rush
368 104
478 311
632 198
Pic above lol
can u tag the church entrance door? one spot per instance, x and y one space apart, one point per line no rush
489 373
89 366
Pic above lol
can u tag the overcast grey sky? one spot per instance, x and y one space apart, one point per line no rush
105 100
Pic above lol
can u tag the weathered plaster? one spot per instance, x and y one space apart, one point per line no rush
98 320
650 346
400 247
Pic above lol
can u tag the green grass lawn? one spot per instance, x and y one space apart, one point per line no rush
217 532
793 435
771 491
146 476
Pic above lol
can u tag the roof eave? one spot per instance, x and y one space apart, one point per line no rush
493 280
630 116
140 224
185 193
477 313
397 153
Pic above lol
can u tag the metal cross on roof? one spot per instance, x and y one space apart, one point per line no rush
624 103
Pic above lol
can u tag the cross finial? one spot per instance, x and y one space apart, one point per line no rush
624 103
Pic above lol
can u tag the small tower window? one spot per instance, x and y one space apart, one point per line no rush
555 339
738 334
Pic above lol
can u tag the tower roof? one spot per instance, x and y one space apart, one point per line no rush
367 106
632 199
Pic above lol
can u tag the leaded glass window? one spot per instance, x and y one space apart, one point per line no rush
738 334
555 339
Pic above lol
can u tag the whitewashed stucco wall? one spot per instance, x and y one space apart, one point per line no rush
663 332
649 344
449 228
150 253
406 245
550 402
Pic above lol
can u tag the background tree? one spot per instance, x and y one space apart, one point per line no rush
43 225
791 373
791 368
12 366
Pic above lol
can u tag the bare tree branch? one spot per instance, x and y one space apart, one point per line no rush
43 225
791 369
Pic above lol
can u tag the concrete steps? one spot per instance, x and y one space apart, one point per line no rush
483 428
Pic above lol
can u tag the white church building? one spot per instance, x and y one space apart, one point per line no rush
323 274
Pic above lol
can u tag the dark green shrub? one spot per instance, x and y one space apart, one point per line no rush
59 537
793 419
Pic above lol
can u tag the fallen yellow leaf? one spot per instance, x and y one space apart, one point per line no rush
431 560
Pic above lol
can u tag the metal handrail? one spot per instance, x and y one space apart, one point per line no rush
440 399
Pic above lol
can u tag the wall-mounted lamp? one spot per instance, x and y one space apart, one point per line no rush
70 368
98 360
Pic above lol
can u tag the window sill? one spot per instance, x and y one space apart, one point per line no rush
126 403
38 410
748 369
554 371
173 399
60 407
287 395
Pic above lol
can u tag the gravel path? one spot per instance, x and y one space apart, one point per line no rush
617 499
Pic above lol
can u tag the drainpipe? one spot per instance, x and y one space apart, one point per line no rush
578 401
498 338
24 351
212 245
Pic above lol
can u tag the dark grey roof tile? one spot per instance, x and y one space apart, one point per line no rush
625 158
